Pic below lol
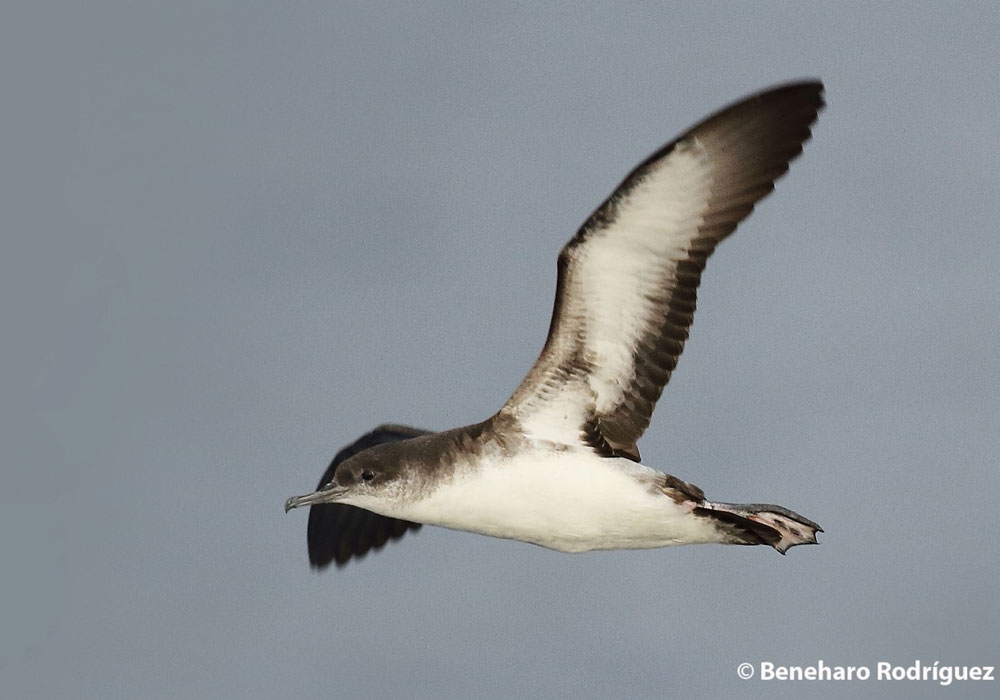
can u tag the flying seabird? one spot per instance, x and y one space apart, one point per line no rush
558 464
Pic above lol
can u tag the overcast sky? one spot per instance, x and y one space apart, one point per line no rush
237 235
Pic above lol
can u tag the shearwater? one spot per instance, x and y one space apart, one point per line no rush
558 464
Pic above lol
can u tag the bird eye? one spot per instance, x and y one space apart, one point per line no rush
367 475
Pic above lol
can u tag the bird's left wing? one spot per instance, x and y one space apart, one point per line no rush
339 532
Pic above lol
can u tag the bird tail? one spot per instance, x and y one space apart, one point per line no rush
760 523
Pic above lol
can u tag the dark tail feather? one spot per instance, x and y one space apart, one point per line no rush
761 523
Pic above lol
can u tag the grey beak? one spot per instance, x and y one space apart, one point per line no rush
328 494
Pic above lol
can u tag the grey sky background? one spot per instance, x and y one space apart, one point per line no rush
237 235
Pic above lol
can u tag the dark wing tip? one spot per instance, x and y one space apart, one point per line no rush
777 120
338 532
807 92
798 102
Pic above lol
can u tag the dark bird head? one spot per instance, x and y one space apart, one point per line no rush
369 479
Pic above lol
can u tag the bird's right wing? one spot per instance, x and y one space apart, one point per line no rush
628 279
339 532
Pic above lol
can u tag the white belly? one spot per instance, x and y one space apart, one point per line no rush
570 501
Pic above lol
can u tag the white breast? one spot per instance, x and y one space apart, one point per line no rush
569 501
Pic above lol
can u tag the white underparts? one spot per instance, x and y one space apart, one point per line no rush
571 501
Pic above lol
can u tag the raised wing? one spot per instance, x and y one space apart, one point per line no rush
628 279
339 532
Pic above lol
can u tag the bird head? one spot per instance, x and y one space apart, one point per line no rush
368 478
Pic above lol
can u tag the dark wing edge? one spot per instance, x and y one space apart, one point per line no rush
338 532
